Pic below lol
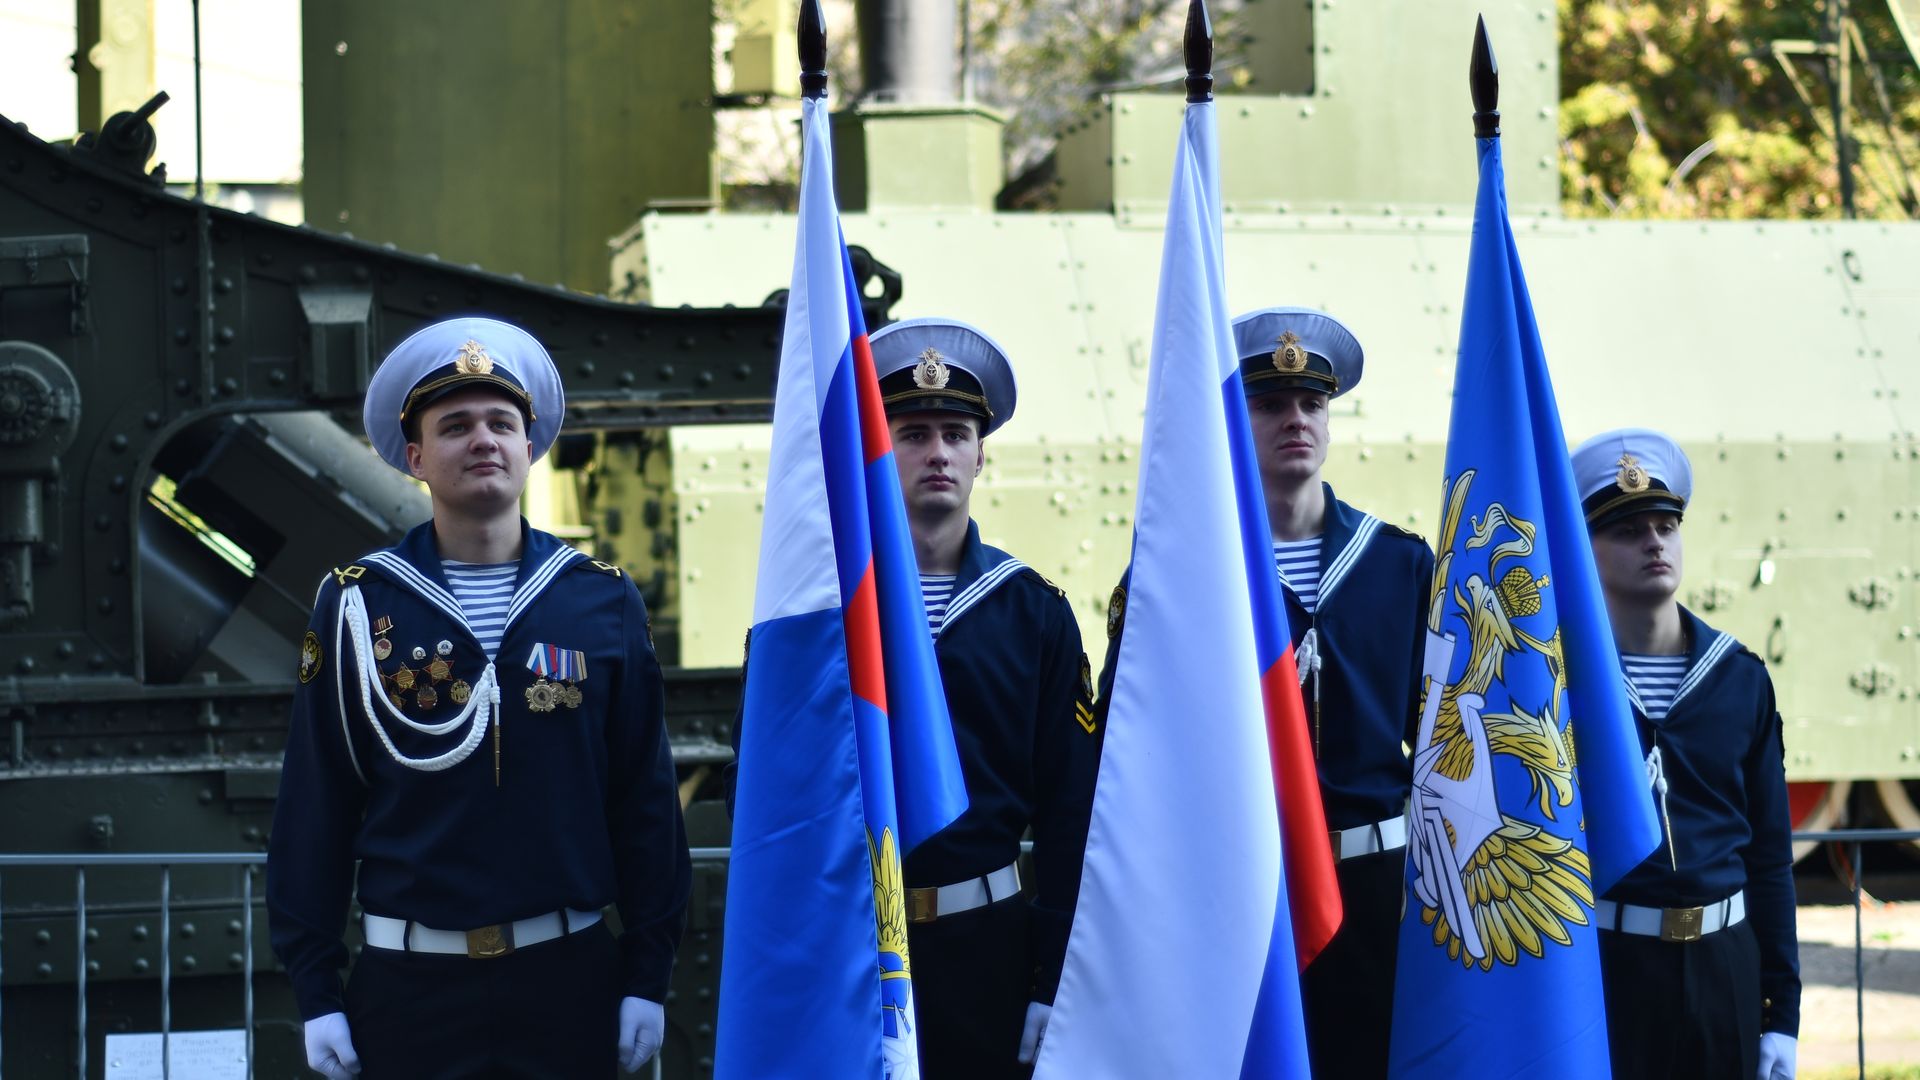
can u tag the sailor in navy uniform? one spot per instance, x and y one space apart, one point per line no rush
986 947
478 725
1356 590
1698 949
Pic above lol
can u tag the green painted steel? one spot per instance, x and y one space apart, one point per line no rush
1369 132
1781 354
520 136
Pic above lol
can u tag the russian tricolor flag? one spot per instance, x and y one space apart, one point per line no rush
847 758
1183 957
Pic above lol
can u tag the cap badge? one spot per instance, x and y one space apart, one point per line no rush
1291 357
1632 477
473 360
931 373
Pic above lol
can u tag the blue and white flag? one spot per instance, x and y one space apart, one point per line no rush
847 758
1529 796
1183 910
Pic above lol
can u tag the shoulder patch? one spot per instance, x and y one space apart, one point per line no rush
1116 611
310 658
606 567
342 575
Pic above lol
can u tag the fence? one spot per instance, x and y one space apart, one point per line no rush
1853 839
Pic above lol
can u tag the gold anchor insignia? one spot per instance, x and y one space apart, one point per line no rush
351 573
1633 476
607 566
473 360
1291 357
931 373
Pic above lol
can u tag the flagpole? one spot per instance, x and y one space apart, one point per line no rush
1198 47
1483 76
813 50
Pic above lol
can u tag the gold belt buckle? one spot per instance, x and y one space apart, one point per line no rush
923 905
490 941
1680 924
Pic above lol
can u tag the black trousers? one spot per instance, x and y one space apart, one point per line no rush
1347 992
548 1010
1687 1010
971 976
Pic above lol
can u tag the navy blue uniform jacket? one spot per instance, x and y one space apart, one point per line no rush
1018 689
586 812
1369 624
1721 750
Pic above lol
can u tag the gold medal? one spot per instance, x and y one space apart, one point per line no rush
439 671
404 677
426 698
460 691
382 649
570 696
542 696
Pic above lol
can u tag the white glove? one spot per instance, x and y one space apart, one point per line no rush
1036 1030
643 1024
330 1047
1777 1053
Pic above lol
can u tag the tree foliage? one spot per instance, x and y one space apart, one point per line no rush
1695 109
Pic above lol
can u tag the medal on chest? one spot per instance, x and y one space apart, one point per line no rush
560 672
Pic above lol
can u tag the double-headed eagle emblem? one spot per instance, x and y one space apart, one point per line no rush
1489 884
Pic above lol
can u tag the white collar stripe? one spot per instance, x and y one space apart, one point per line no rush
1342 563
404 573
1722 644
974 593
538 581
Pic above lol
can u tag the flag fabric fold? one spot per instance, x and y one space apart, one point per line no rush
1183 911
1529 795
847 757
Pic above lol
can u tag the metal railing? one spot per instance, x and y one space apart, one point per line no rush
1852 839
166 863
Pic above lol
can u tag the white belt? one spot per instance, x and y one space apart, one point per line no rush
485 942
1367 839
1672 924
926 905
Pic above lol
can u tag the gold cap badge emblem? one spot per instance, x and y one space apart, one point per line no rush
1633 476
931 373
1291 357
473 360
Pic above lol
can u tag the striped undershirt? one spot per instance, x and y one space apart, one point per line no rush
1299 564
484 591
937 589
1655 679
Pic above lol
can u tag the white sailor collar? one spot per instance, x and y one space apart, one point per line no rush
1344 540
1705 649
983 568
414 564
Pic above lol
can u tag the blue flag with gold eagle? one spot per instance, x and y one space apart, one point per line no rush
1529 796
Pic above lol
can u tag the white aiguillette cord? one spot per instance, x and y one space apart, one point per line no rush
486 689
